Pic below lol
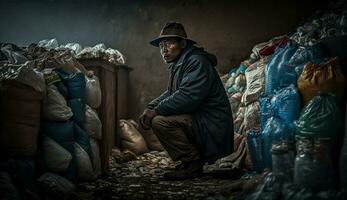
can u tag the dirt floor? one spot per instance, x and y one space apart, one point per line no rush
142 178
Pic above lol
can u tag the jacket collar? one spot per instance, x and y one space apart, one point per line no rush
182 57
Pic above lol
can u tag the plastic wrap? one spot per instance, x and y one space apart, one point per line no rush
55 107
49 44
100 51
25 74
321 117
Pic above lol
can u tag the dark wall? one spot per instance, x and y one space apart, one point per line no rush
228 29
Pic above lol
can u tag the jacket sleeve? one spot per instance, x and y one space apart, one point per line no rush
193 89
156 101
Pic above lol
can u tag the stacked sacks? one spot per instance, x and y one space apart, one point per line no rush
22 89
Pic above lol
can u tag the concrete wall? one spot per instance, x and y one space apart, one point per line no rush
228 29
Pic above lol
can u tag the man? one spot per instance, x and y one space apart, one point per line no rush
192 118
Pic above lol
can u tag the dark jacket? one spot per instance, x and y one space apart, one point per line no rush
195 88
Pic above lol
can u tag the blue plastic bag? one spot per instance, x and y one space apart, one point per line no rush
278 72
286 104
75 84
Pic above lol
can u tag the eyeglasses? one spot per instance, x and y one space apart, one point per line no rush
167 44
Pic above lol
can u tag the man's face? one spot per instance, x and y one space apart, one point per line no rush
170 49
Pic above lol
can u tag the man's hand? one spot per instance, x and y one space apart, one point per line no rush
146 118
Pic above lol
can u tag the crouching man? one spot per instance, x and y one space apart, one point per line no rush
192 118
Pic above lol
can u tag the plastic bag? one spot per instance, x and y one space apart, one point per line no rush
12 54
75 47
55 107
131 137
313 165
265 110
255 146
25 74
57 159
278 72
255 81
326 77
286 104
96 156
93 92
49 44
84 170
93 124
321 117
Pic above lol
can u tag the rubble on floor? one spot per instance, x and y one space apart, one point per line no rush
142 178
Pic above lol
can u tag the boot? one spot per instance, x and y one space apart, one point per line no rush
193 169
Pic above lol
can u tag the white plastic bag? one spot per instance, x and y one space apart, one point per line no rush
56 157
49 44
93 92
55 107
84 167
93 124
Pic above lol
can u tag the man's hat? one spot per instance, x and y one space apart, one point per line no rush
171 29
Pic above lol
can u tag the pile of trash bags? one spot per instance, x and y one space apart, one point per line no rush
287 99
49 129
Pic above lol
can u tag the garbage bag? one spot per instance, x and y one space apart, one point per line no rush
101 51
12 54
93 92
78 109
75 47
321 117
313 165
93 124
84 167
49 44
63 134
75 83
255 81
305 55
25 74
57 158
67 61
7 188
265 110
286 104
251 117
96 156
82 138
278 72
20 117
255 146
131 139
271 187
55 107
325 77
55 186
